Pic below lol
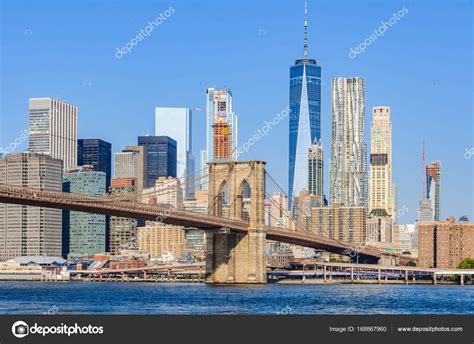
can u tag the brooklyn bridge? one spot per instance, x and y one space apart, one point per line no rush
235 246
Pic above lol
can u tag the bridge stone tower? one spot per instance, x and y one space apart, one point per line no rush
237 257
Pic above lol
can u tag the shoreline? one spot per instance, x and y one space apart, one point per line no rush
280 282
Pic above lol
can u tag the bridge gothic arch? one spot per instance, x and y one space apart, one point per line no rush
237 257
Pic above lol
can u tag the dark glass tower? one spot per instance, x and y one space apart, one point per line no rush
305 118
96 153
160 156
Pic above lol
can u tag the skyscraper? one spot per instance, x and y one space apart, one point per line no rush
160 158
381 191
305 117
315 171
130 163
96 153
26 230
221 130
433 186
53 130
348 167
177 123
86 232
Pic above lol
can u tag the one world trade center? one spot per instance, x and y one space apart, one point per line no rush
305 117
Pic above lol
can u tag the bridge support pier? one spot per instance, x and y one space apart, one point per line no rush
236 258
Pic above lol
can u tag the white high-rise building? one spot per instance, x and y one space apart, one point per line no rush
27 230
381 195
348 166
177 124
53 130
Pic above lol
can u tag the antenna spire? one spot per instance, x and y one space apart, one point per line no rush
305 53
423 173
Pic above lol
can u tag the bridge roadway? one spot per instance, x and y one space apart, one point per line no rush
107 205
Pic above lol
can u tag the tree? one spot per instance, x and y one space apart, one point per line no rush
467 263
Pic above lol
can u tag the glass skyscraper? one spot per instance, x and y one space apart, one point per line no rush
96 153
177 123
84 234
160 156
305 118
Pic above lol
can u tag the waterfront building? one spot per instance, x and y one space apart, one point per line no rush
177 123
84 234
160 158
196 238
158 238
123 231
305 117
96 153
348 167
433 187
340 223
380 186
444 244
26 230
53 130
279 254
130 163
221 130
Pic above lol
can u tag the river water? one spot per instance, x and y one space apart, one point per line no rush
183 298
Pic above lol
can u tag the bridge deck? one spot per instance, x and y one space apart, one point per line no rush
108 206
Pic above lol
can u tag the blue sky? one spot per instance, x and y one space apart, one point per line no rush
421 68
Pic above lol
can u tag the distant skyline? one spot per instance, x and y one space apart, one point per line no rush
421 68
